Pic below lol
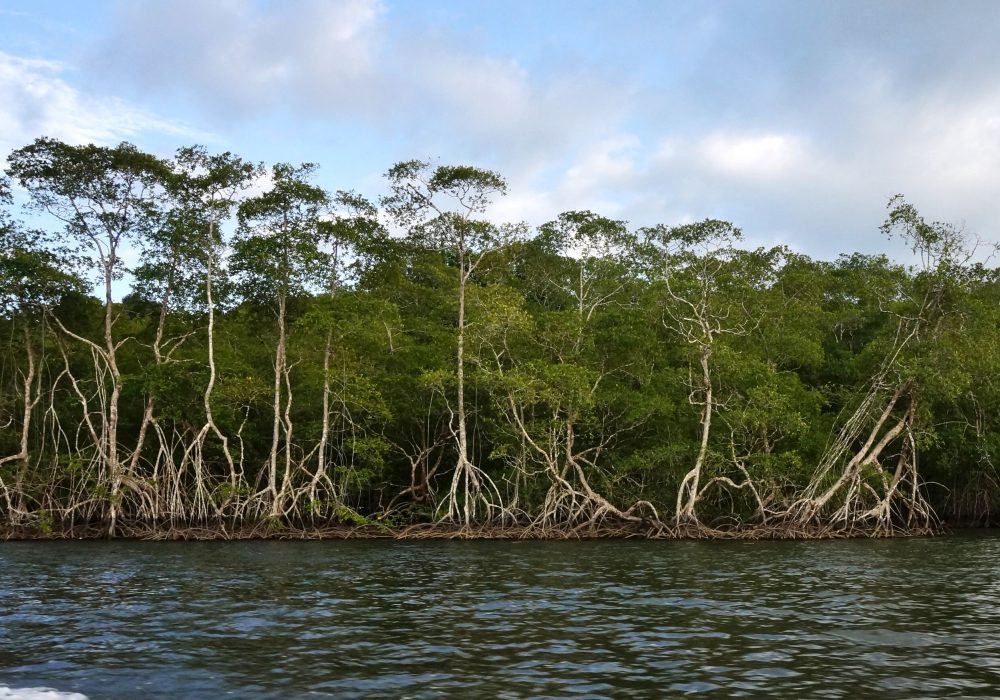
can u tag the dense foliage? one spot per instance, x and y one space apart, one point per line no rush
293 357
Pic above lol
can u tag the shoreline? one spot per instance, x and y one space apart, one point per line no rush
442 531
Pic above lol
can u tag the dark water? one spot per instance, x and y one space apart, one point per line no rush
904 618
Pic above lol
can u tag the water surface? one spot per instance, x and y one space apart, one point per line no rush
900 618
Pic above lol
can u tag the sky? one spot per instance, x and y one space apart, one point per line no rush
796 120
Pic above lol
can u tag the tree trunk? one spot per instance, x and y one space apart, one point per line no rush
111 428
691 483
279 373
212 374
30 400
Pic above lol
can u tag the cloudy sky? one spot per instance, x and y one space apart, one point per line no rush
796 119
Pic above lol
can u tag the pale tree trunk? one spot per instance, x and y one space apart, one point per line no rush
867 454
147 416
689 492
111 429
210 424
279 371
286 425
31 397
468 480
464 469
324 437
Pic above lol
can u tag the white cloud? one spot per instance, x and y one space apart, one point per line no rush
610 163
783 188
36 101
434 89
795 124
496 108
238 57
765 155
599 178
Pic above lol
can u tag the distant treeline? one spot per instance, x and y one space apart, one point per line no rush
291 357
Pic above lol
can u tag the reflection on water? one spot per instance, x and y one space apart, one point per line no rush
898 618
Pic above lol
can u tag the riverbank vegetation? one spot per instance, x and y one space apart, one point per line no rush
263 356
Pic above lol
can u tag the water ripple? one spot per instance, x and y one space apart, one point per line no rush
510 620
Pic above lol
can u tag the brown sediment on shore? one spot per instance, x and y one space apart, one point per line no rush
443 531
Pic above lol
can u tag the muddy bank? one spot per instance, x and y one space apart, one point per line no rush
426 531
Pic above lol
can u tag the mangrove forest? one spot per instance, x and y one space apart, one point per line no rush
202 344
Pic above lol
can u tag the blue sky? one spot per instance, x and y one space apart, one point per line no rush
796 120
